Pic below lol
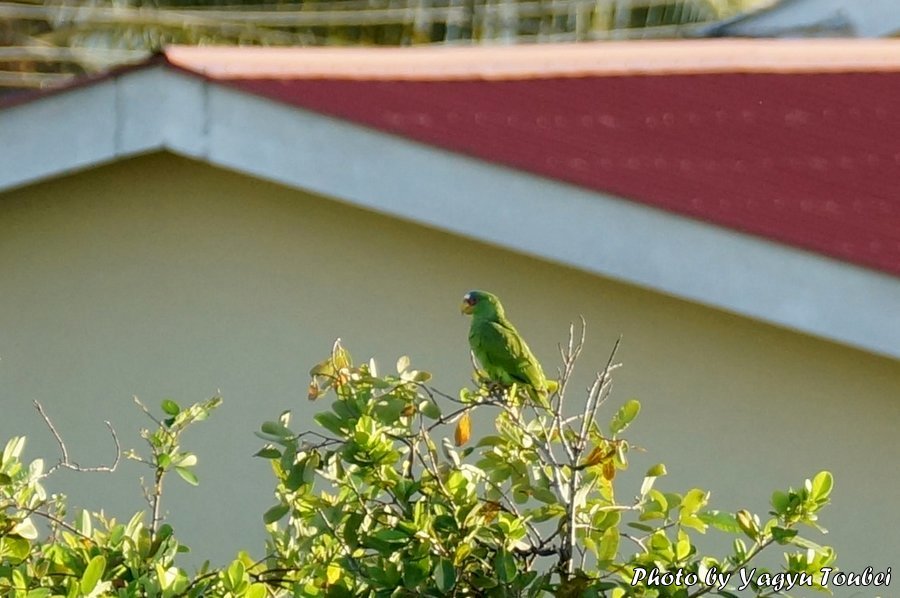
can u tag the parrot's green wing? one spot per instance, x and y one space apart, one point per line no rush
503 354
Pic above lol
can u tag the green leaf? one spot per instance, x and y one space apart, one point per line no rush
388 410
93 573
276 429
186 459
624 416
694 500
640 526
269 452
415 572
296 478
747 524
693 522
16 548
445 575
548 511
422 377
275 513
431 410
257 590
821 486
170 407
491 440
609 545
537 589
332 423
187 475
682 546
84 523
544 495
18 580
780 502
721 521
13 449
505 566
402 364
656 471
783 535
234 575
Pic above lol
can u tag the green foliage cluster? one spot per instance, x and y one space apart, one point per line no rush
91 555
379 501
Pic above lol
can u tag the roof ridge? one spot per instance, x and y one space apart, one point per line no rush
532 61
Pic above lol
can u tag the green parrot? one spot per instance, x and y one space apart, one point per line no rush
500 349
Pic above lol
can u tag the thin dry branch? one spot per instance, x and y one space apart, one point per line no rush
596 396
65 461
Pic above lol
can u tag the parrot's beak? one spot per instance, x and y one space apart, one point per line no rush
466 308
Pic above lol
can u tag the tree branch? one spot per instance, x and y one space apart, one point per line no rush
65 461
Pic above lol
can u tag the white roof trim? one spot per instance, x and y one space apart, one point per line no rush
157 108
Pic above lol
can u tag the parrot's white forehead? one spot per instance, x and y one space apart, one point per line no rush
467 296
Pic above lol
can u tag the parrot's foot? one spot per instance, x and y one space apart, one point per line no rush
496 390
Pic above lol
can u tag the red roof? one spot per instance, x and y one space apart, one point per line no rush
795 141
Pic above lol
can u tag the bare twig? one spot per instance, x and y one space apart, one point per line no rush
596 396
451 418
570 354
61 523
432 392
65 461
147 412
156 500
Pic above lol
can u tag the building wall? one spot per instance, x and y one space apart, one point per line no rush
161 277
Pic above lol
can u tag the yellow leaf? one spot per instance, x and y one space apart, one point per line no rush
609 470
489 510
595 456
463 430
332 573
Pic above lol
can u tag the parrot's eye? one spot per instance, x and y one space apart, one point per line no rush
470 300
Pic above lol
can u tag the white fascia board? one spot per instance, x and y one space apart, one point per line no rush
161 109
56 135
144 110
